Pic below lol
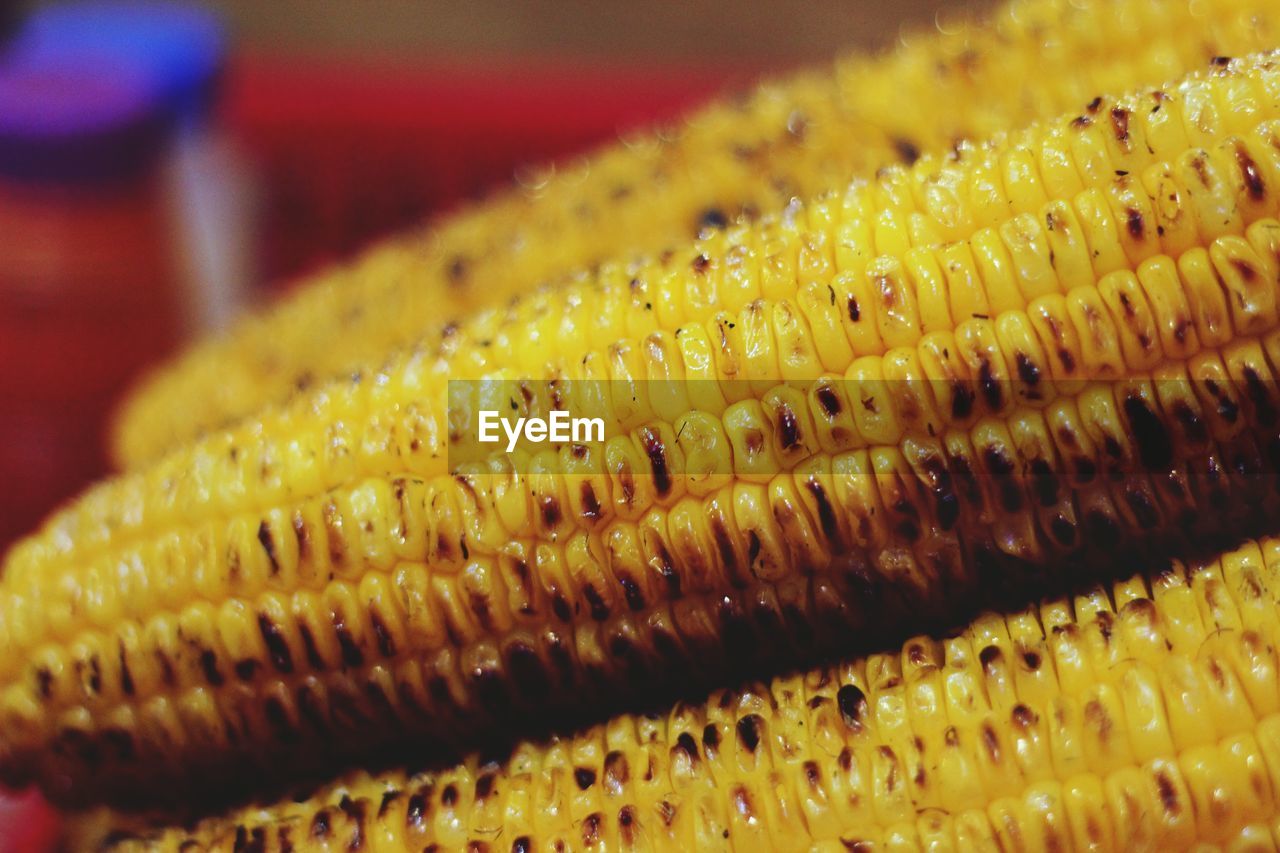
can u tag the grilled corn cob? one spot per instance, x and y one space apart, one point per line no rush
793 139
1143 714
318 577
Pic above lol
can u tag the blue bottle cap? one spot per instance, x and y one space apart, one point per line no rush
89 91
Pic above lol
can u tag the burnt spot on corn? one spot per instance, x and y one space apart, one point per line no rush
826 512
710 738
908 151
1063 530
44 682
527 672
626 824
352 657
750 729
389 798
990 657
700 264
599 609
386 643
1027 370
592 829
560 606
631 591
855 313
320 825
355 812
656 451
1168 793
585 777
550 507
456 271
1252 175
1120 125
616 772
890 759
590 503
1155 447
449 796
724 546
991 741
788 428
829 401
852 703
269 546
1264 409
1096 716
1192 425
523 844
1142 506
712 219
209 664
742 802
1245 270
962 399
246 669
126 675
686 745
989 386
1137 227
1001 469
309 646
1044 482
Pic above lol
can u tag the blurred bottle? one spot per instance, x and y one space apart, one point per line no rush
119 226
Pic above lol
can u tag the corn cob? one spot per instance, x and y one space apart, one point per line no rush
311 578
1143 714
792 139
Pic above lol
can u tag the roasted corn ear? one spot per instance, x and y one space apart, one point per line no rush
1143 714
786 140
324 577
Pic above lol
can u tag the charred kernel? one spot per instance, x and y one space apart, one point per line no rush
907 150
749 731
277 647
829 401
1155 447
657 453
788 428
269 545
1137 227
853 706
1027 370
712 218
1252 175
320 825
962 399
1120 124
686 744
990 388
